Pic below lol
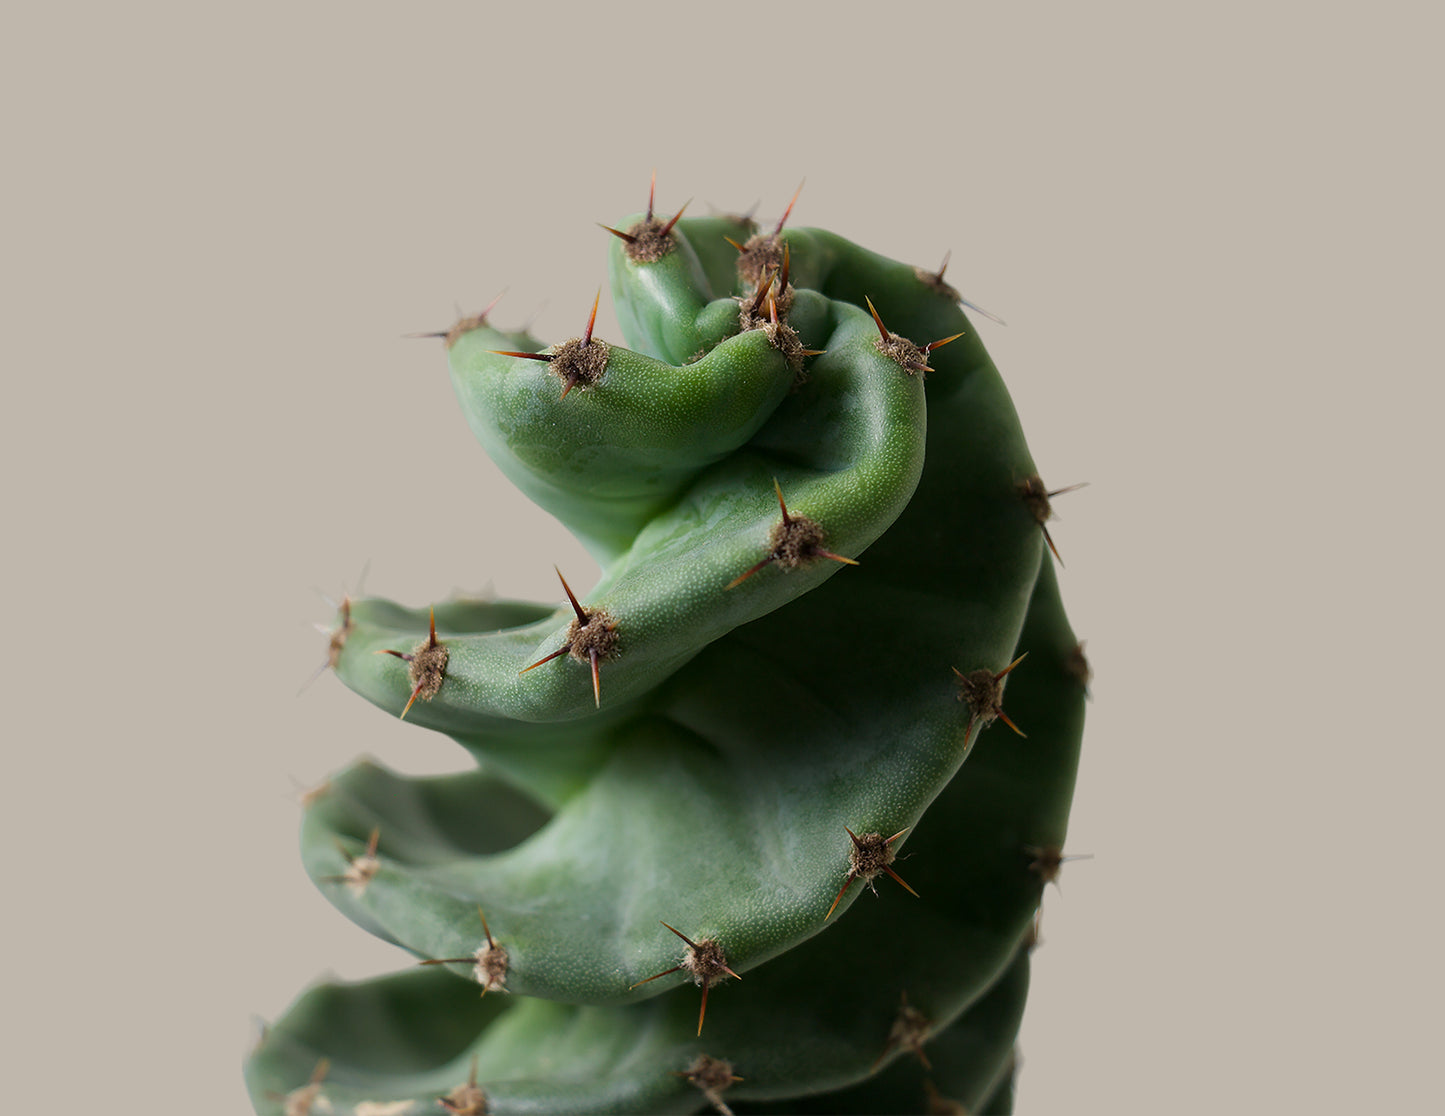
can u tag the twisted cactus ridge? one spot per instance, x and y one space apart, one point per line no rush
825 575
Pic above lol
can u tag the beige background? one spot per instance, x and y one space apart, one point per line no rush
1214 230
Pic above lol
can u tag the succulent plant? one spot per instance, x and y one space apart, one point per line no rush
826 600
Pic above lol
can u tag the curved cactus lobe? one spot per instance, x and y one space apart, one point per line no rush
848 451
816 1018
662 320
608 458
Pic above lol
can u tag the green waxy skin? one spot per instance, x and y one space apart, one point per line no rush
741 731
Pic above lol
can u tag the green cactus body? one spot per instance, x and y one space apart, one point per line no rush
743 715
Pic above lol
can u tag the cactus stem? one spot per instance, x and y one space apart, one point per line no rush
983 691
359 869
910 1028
428 667
466 1099
795 541
591 638
712 1076
869 855
783 220
705 961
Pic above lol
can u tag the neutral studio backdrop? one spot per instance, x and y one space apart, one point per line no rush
1214 231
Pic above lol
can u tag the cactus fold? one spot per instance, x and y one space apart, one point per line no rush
820 535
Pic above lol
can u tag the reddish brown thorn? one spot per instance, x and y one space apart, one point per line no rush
596 677
754 568
846 881
525 356
783 220
592 319
882 329
1008 669
681 935
1054 550
546 659
787 260
764 285
781 506
702 1012
901 881
1004 717
619 233
665 972
651 193
944 265
735 244
576 607
939 344
667 228
835 557
772 309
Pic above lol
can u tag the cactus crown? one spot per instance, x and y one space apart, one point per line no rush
824 556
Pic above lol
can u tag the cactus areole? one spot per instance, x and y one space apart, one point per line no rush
826 656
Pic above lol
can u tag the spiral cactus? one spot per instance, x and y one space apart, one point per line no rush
826 656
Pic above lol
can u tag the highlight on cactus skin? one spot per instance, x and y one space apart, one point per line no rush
825 575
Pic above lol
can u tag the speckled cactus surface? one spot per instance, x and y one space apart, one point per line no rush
826 656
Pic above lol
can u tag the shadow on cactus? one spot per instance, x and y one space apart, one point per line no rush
825 579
